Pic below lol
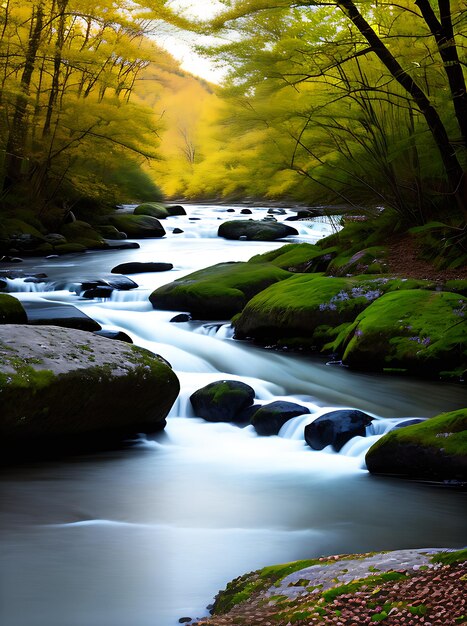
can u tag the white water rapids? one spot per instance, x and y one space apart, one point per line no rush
144 536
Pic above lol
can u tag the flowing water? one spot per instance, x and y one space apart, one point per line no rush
144 536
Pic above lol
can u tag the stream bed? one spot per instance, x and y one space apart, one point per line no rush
146 535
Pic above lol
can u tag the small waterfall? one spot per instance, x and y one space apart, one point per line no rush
26 285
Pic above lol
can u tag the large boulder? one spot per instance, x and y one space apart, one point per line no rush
175 209
336 428
269 419
154 209
82 233
433 450
420 332
295 310
216 292
255 230
223 401
139 268
137 226
11 310
65 389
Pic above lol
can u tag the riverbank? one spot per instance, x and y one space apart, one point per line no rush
405 587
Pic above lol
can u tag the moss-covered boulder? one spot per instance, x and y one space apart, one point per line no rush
110 232
223 401
433 450
82 233
300 307
154 209
255 230
418 331
11 310
138 226
269 419
16 234
298 257
217 292
69 389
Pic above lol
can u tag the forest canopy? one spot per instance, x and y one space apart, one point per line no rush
351 102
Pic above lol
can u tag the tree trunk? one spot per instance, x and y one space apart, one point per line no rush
18 131
452 166
443 33
62 5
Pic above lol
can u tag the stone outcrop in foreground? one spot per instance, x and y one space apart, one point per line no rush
65 389
402 587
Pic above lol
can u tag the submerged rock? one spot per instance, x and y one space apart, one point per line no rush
216 292
336 428
433 450
255 230
223 401
67 390
270 418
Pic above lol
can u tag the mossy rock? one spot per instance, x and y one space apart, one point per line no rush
110 232
68 248
456 286
223 401
153 209
11 310
433 450
422 332
298 257
175 209
217 292
303 304
82 233
367 261
255 230
138 226
70 389
14 226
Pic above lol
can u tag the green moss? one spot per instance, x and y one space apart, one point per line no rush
217 292
297 257
370 583
424 332
153 209
366 261
451 558
435 449
456 286
137 226
11 310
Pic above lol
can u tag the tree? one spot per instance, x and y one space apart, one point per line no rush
366 57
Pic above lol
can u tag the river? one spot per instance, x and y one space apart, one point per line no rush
146 535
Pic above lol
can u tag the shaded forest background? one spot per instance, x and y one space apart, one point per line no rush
363 105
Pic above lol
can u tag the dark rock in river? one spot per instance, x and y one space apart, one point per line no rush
177 231
433 450
175 209
154 209
246 211
65 390
181 317
336 428
139 268
270 418
222 401
102 291
255 230
117 335
41 312
121 283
